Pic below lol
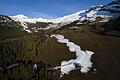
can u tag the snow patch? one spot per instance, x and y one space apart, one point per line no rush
20 16
82 57
69 18
35 67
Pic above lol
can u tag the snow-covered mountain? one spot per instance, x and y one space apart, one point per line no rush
104 12
111 9
24 18
93 12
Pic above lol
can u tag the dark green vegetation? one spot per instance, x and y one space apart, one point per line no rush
20 48
7 32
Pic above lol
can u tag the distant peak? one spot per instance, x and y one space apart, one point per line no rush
20 16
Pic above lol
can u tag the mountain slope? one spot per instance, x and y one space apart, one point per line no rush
9 28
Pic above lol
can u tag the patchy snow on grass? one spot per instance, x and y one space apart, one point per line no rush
82 57
12 65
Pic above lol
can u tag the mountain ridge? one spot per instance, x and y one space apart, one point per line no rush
103 13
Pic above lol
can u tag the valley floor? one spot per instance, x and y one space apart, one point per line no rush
105 60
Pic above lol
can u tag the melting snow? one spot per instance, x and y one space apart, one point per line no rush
82 57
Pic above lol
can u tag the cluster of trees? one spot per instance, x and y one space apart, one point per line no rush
24 48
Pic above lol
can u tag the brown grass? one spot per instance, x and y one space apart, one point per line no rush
106 58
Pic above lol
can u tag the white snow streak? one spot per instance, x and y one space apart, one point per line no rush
82 57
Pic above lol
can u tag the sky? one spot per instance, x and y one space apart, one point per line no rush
46 8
